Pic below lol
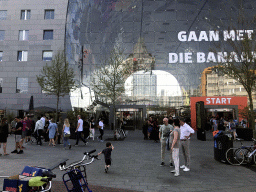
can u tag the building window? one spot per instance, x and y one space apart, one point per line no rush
3 15
22 55
25 14
47 55
23 35
1 84
21 85
1 55
49 14
48 34
2 34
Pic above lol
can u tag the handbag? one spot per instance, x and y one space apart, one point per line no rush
67 134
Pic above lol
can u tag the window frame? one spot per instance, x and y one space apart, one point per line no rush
44 37
24 55
26 14
51 15
44 51
3 35
25 91
3 18
1 57
24 35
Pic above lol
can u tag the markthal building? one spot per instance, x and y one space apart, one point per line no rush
172 47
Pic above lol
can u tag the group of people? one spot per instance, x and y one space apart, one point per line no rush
225 124
45 128
175 134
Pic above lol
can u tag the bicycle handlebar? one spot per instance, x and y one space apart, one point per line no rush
62 166
88 153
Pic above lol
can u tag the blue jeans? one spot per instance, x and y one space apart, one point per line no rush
66 141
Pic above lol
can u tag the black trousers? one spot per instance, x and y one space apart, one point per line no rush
101 133
78 136
39 134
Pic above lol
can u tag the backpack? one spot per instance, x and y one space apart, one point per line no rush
232 125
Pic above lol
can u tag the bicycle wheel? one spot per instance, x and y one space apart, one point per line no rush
235 156
248 159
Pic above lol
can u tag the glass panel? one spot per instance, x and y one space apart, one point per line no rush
3 15
22 85
20 35
48 34
49 14
1 55
19 55
2 34
26 35
47 55
25 56
23 35
22 17
28 14
25 14
1 84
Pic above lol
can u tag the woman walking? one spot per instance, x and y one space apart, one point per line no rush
175 142
52 130
92 127
66 132
4 134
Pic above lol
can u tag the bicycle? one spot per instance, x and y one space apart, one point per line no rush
242 155
75 178
38 180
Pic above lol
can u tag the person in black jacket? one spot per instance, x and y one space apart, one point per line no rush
18 139
4 134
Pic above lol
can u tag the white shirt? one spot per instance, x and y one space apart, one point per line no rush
101 124
80 128
43 120
39 125
185 131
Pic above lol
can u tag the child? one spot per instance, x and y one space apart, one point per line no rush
107 154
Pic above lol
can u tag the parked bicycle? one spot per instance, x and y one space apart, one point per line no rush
75 178
31 179
242 155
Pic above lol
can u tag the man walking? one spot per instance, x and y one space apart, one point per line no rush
18 138
39 129
164 133
79 130
185 132
101 129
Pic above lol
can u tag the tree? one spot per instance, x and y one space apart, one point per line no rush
238 59
58 78
108 80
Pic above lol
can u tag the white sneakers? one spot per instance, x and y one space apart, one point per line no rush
184 168
175 173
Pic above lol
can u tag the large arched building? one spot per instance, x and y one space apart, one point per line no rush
177 35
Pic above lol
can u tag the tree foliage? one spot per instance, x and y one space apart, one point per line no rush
108 80
58 78
239 60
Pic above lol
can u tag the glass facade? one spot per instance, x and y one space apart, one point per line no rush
167 36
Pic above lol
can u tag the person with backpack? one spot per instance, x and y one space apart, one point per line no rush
232 127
